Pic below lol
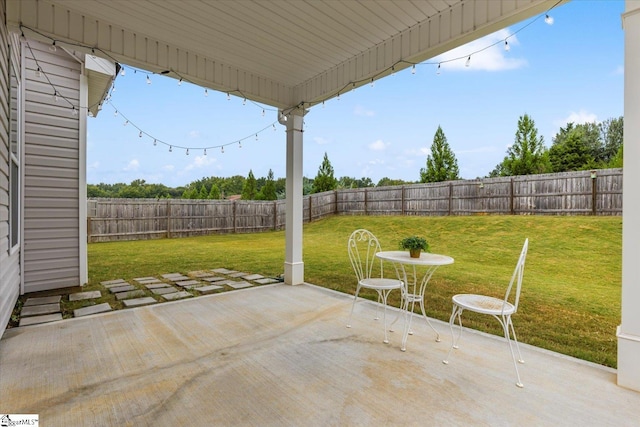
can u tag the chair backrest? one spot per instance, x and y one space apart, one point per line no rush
517 276
362 248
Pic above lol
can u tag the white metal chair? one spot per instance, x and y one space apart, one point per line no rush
362 247
501 309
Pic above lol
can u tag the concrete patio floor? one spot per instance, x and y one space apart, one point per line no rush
281 355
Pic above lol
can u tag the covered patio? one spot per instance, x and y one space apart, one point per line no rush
281 355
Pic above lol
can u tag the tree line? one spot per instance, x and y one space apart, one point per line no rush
575 147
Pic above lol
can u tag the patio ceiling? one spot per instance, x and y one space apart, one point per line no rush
281 52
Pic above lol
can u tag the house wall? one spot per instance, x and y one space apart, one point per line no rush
9 260
51 181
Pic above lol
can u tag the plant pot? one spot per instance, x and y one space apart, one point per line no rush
414 253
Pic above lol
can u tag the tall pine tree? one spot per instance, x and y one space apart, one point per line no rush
441 164
249 190
527 155
324 180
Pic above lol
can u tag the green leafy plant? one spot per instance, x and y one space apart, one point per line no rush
414 242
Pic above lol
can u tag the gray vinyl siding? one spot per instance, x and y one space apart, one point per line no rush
9 263
51 182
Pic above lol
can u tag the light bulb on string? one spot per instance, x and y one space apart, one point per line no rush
256 136
506 46
263 112
274 127
466 64
187 151
239 144
438 70
244 101
148 80
170 148
228 97
205 151
222 149
180 82
53 48
123 72
55 96
115 113
372 82
548 19
74 112
206 92
323 104
90 114
155 142
126 122
413 69
140 134
338 97
39 72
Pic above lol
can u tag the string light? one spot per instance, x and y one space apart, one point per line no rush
548 19
205 151
170 148
222 149
372 82
123 72
413 69
256 136
74 111
438 70
126 122
228 97
206 92
115 113
466 64
148 80
55 96
180 82
140 134
155 142
187 151
244 101
506 46
263 112
239 144
39 72
52 48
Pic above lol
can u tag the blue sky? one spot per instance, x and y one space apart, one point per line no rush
571 71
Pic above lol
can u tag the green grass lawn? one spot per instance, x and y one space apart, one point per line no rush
571 292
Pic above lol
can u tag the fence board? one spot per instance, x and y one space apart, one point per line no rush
568 193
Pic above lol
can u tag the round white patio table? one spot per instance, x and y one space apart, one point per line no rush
408 271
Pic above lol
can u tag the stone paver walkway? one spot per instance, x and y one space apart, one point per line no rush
142 291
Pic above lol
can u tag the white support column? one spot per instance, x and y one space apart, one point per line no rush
82 179
629 330
293 264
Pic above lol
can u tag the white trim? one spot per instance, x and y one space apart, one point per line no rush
82 179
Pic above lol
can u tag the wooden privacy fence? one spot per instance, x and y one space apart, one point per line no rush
570 193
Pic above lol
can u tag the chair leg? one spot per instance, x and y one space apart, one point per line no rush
384 295
506 321
455 312
513 331
353 305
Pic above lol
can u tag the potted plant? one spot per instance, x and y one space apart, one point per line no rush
415 244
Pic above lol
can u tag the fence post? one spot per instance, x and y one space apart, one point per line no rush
594 190
450 196
275 215
511 196
234 216
310 207
366 202
402 200
335 202
168 218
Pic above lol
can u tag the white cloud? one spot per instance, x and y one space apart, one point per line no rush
321 141
378 145
168 168
494 58
363 112
200 162
133 165
579 117
194 134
